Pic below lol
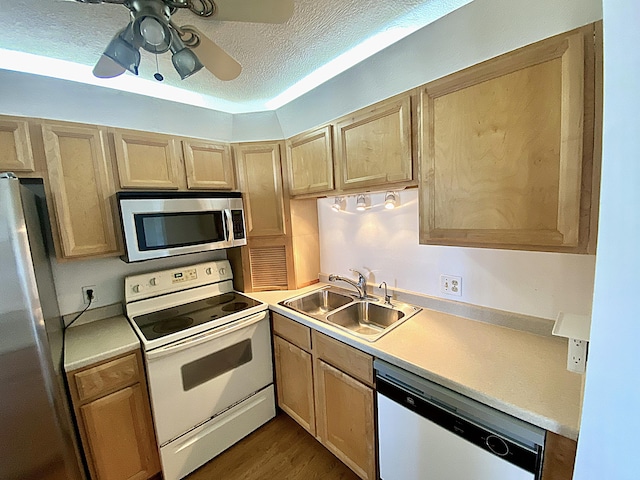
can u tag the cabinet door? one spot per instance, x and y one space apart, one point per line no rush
310 162
120 436
15 145
146 160
506 160
373 146
82 187
260 176
294 383
208 165
345 418
559 457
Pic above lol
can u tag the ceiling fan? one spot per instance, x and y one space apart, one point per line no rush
152 29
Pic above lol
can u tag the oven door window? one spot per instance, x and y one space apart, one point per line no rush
207 368
157 231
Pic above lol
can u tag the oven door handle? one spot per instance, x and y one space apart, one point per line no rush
206 337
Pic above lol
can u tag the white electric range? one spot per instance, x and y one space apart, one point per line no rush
208 357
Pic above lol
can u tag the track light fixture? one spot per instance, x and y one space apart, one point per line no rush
390 200
361 202
337 204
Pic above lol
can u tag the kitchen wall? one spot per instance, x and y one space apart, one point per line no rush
107 275
383 245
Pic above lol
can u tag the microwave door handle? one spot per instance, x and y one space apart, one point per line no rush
227 224
206 337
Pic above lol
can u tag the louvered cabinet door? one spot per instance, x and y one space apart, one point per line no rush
270 264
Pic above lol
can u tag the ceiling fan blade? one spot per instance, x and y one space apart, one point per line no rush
258 11
107 68
213 57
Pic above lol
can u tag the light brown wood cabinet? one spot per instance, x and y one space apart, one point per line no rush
343 375
326 386
80 190
310 162
294 377
208 165
283 246
15 145
374 146
559 457
508 149
113 414
146 160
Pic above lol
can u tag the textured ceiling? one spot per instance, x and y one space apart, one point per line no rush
274 57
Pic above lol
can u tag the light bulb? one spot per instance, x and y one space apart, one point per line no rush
390 200
152 31
337 204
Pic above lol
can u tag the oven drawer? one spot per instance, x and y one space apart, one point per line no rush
193 380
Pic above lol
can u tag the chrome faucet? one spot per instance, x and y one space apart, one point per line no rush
387 297
360 286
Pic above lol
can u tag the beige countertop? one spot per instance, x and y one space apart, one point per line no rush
518 372
98 340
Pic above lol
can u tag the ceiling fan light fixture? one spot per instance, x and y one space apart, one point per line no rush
152 33
186 62
123 52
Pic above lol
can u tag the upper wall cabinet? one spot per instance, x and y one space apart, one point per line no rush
81 187
15 146
508 148
146 160
208 165
260 177
373 145
310 162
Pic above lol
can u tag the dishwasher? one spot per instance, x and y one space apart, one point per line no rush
428 432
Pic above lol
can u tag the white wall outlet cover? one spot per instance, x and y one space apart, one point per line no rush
577 355
451 285
85 297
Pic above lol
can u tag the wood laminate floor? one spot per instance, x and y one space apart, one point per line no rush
281 449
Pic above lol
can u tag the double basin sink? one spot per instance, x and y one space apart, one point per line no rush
368 318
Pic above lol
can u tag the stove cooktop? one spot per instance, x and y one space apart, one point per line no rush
158 324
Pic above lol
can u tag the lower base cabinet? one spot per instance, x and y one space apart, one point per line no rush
113 414
326 386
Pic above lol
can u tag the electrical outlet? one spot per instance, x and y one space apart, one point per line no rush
577 355
451 285
85 297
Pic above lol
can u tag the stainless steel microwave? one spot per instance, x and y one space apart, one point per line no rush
164 224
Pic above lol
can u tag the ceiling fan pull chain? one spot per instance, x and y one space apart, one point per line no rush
158 76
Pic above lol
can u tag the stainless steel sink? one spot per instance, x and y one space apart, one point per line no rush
318 303
367 318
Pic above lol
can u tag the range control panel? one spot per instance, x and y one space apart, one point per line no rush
138 287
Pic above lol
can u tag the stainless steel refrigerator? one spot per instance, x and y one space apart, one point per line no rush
37 436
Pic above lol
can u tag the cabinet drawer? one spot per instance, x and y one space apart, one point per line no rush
293 331
107 377
344 357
